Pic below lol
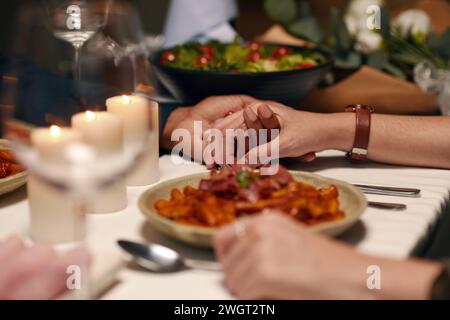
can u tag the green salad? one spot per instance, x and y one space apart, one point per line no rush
238 57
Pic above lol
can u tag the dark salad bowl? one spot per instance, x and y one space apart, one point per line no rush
287 87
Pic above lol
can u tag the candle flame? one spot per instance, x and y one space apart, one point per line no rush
55 131
126 99
90 116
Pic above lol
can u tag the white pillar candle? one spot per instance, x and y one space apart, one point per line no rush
140 118
135 113
51 142
104 132
53 218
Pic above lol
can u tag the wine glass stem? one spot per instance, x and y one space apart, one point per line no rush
77 62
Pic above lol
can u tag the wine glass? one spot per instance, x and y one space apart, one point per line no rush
76 21
125 45
38 107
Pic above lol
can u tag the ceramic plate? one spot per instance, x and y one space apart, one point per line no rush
351 200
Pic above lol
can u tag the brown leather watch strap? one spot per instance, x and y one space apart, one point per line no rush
362 131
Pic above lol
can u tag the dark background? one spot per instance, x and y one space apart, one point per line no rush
251 22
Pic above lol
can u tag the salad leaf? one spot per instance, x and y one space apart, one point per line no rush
290 62
238 56
244 179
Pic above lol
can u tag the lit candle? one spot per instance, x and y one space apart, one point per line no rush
104 132
135 113
51 142
101 130
52 217
140 118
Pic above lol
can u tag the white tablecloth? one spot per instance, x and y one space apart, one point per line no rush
379 232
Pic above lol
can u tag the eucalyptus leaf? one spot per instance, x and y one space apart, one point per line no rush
283 11
350 61
394 71
304 9
307 28
377 59
340 31
441 44
328 80
406 57
385 23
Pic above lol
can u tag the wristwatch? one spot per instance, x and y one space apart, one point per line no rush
362 132
441 287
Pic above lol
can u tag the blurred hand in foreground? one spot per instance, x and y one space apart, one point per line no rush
33 272
272 256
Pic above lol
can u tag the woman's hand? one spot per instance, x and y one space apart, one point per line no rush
36 272
275 257
301 133
265 118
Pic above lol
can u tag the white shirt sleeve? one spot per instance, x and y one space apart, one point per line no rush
199 19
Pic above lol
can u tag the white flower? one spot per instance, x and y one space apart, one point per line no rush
357 20
415 21
357 16
368 41
352 24
358 8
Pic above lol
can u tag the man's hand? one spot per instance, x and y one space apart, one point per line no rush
209 111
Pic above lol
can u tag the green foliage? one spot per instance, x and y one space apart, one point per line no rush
351 60
377 59
395 71
343 39
282 11
385 23
398 56
306 28
441 44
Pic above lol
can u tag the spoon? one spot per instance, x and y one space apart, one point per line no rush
158 258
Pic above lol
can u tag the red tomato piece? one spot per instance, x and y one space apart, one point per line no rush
281 52
254 45
203 60
206 50
254 56
306 65
168 56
